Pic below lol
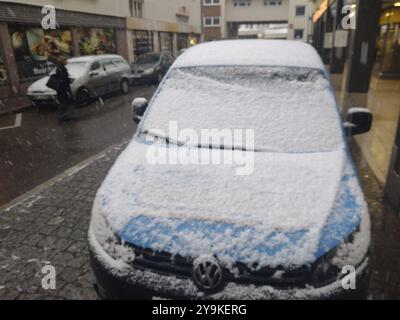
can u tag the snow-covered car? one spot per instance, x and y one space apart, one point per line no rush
92 76
298 227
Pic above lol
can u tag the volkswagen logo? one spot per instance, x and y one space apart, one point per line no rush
207 273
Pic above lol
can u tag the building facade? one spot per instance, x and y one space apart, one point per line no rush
359 41
86 27
26 48
155 25
227 19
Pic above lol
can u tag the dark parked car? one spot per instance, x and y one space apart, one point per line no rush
151 66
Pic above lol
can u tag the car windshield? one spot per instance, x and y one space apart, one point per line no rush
289 109
77 69
148 58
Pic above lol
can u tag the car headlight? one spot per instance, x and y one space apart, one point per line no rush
30 90
149 71
106 237
351 252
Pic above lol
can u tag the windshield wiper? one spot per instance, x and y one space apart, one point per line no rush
168 140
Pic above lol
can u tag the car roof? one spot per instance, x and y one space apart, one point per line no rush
251 52
93 58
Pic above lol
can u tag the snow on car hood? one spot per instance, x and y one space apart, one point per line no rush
273 217
40 86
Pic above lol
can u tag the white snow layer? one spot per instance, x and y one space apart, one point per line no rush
286 193
292 189
251 53
286 114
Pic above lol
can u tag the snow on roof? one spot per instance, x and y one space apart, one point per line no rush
251 52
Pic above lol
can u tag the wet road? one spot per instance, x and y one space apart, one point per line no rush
34 146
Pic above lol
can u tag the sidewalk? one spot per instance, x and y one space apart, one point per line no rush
13 104
50 226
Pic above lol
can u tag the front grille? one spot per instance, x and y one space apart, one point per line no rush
165 263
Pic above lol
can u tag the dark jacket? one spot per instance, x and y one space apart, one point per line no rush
61 82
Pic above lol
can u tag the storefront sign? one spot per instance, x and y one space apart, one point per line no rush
96 41
34 47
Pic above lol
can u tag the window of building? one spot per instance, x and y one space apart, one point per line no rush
34 47
300 10
142 42
182 41
3 71
241 3
272 2
96 41
212 21
298 33
136 8
165 39
211 2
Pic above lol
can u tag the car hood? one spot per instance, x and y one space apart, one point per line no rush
290 210
40 86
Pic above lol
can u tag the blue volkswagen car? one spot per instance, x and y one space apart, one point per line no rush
237 185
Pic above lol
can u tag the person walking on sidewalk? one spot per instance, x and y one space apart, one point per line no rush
60 81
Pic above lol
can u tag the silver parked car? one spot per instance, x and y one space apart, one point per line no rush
92 76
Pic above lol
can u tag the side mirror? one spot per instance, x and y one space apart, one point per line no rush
359 121
139 106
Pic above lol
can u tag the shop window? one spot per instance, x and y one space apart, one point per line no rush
298 33
96 41
182 41
300 11
35 47
165 41
142 42
4 80
389 43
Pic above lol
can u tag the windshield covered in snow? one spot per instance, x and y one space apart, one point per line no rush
289 109
77 69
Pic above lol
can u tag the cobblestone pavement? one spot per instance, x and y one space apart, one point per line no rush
51 226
